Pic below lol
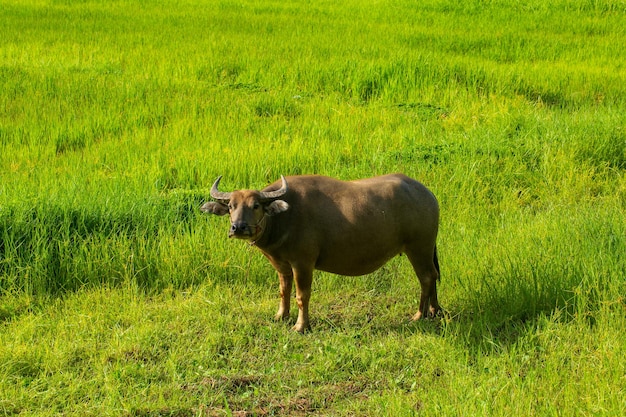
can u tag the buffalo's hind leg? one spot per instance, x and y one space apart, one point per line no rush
425 266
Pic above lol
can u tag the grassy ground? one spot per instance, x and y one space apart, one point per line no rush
117 297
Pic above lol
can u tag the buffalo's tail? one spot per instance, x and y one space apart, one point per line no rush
436 261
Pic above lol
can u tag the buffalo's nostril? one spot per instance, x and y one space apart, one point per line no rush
238 228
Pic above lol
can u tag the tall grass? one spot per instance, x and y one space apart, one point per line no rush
118 298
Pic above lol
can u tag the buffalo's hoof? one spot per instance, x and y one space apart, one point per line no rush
301 328
432 313
417 316
281 317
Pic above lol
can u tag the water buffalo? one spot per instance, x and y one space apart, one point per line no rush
308 222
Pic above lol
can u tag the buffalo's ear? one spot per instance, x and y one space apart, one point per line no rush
214 208
277 206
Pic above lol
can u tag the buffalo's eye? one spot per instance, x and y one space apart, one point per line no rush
256 206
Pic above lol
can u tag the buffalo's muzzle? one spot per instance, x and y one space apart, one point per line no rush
239 230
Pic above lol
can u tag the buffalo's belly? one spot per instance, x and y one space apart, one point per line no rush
353 264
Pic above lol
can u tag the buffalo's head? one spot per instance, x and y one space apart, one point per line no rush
247 208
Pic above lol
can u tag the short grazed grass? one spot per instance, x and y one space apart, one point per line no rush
117 297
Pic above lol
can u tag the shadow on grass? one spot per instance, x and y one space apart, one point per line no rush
488 320
492 322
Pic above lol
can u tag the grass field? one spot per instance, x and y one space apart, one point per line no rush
118 298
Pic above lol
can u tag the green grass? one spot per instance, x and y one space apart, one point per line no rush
117 297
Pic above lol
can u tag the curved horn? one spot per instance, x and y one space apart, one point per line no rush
271 195
217 194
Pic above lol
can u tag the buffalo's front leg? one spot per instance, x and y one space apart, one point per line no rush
303 279
285 277
286 283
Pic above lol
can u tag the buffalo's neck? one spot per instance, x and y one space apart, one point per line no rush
272 237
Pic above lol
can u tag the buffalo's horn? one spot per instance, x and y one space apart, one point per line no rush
271 195
217 194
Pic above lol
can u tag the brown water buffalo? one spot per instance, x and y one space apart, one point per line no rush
302 223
